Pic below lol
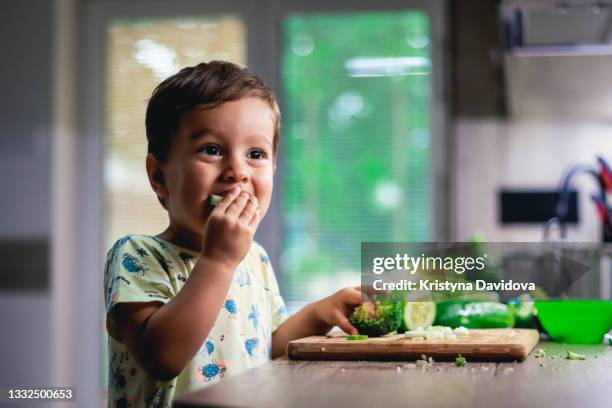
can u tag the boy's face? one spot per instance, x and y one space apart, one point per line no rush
214 150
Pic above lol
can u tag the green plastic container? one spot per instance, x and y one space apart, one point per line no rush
575 321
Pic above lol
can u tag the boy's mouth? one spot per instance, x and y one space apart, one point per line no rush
211 201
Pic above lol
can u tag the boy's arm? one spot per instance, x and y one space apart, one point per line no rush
318 318
302 324
164 338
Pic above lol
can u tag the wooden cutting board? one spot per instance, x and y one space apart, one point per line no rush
479 344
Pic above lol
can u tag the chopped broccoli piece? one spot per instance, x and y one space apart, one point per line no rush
460 361
574 356
388 318
540 354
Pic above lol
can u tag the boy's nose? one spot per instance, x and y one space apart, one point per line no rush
235 172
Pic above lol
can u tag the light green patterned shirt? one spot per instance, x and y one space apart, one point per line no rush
141 268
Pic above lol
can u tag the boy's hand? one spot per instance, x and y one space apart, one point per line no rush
229 230
319 317
335 309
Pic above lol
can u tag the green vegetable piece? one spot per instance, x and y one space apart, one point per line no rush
574 356
415 334
524 312
540 354
357 337
388 317
214 199
417 314
460 361
474 315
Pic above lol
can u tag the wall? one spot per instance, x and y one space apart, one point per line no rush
555 111
496 153
25 123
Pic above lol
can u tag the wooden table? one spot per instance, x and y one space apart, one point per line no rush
311 384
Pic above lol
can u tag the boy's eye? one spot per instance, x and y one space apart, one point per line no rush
212 150
256 154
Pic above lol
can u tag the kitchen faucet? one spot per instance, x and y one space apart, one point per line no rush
603 175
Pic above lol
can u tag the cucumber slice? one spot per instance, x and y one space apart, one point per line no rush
214 199
417 314
357 337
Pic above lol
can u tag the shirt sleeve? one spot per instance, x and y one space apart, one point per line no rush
278 310
134 272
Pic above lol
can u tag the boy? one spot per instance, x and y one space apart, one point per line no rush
200 300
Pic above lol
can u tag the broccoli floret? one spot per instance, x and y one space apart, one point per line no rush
460 361
388 318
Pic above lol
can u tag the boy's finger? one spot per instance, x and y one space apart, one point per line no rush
227 199
357 297
367 302
369 290
371 307
236 207
344 324
254 221
251 207
364 299
353 297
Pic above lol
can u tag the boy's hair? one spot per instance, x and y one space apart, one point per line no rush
209 84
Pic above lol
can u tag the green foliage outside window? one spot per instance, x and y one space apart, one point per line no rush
356 142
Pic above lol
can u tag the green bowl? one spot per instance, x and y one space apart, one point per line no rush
575 321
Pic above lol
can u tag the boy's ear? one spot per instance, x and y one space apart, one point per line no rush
155 172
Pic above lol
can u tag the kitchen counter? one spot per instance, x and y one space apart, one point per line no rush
289 383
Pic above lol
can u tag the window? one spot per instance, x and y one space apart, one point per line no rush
356 143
